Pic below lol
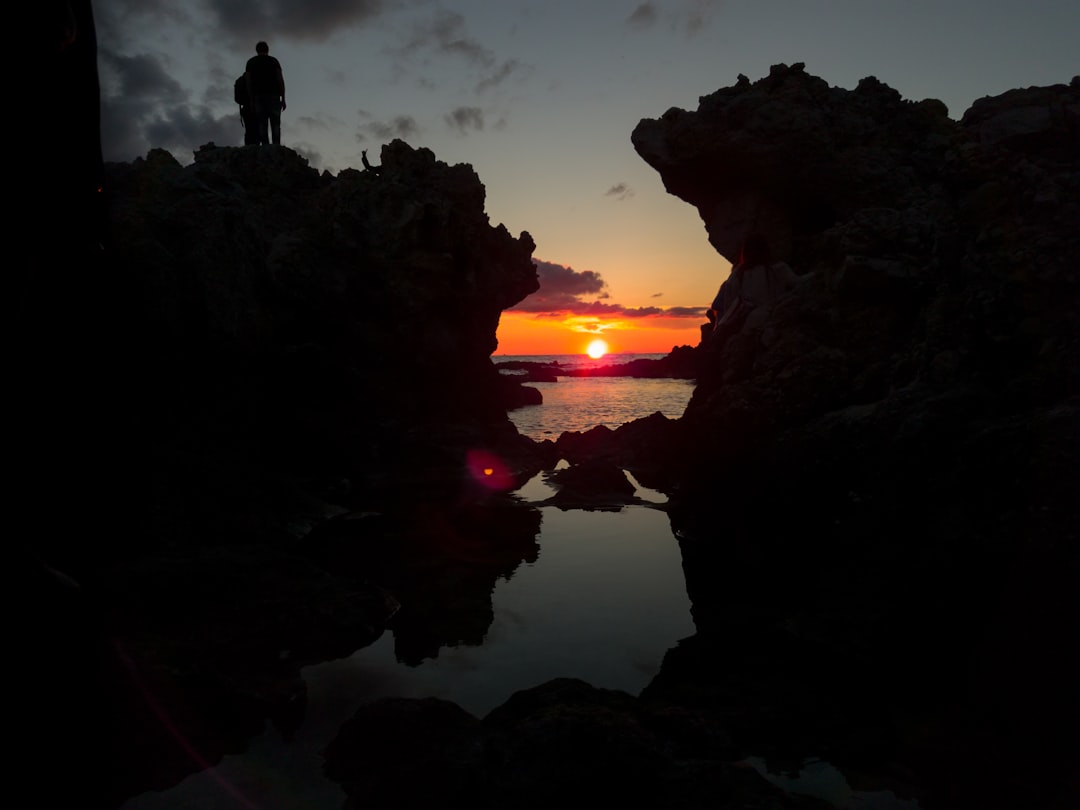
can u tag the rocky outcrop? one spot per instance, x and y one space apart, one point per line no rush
247 350
938 298
562 742
877 464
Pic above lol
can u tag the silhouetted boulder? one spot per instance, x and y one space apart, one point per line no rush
895 425
561 743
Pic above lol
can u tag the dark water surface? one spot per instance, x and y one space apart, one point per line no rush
603 602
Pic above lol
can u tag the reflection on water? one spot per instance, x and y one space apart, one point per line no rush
581 403
604 601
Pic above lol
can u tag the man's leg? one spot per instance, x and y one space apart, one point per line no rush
261 121
275 122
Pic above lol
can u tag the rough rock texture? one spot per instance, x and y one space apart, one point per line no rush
881 468
321 316
246 350
562 743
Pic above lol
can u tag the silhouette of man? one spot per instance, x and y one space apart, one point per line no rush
266 93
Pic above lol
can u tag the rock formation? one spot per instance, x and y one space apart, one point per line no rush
874 485
882 466
252 349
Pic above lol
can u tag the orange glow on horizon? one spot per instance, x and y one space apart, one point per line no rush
524 334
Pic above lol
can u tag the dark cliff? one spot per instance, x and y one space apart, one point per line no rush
212 360
935 333
881 466
319 327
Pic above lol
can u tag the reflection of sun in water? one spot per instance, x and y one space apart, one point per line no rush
597 349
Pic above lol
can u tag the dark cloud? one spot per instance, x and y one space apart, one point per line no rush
464 119
699 15
686 312
692 16
619 191
644 16
140 78
183 130
142 106
401 126
503 72
312 123
445 33
292 19
220 90
112 19
563 291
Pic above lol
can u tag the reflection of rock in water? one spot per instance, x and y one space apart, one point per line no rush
207 644
441 562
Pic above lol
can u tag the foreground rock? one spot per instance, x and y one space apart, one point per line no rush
561 743
879 469
246 350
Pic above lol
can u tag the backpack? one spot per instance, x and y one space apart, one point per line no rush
240 90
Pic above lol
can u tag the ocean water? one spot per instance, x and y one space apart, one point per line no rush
580 403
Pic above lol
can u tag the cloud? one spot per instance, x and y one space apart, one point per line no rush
692 17
292 19
465 118
561 289
563 292
140 78
619 191
685 312
401 126
311 122
445 33
184 129
142 106
644 16
699 15
503 72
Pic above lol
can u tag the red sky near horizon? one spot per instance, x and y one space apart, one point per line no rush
529 333
573 308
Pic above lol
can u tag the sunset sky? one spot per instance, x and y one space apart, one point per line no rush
540 97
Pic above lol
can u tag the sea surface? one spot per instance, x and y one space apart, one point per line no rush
580 403
604 601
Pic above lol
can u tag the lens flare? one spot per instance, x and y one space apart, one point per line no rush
488 470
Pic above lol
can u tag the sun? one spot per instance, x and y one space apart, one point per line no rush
597 349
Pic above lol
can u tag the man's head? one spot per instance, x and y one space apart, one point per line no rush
262 47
